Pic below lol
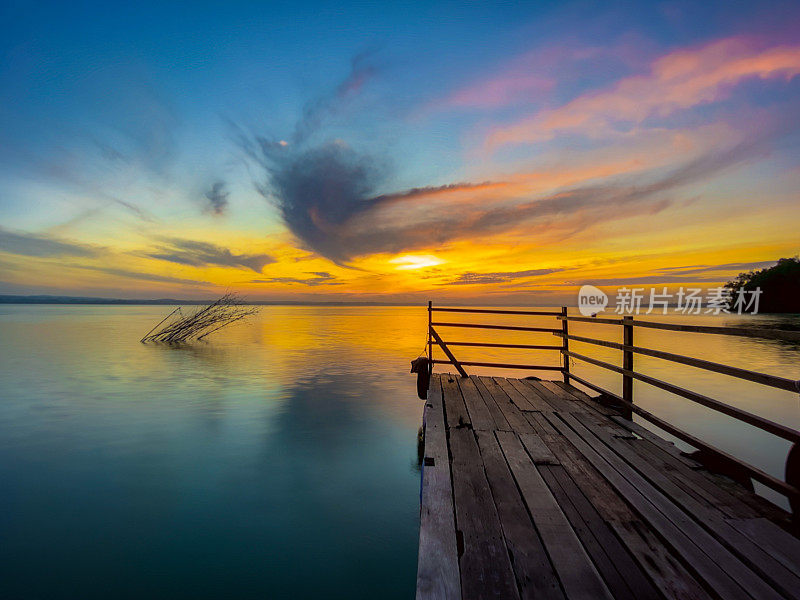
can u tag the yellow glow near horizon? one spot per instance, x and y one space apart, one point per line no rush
411 261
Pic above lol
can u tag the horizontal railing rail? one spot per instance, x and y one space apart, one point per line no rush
790 487
493 311
781 383
518 346
754 332
506 327
466 363
782 431
757 474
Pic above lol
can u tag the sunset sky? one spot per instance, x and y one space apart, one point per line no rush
494 152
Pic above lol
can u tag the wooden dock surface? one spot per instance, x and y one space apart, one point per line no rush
531 489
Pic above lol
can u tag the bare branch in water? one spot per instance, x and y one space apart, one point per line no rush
180 328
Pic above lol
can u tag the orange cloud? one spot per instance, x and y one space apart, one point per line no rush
500 91
677 81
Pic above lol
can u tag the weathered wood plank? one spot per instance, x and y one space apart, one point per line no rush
561 391
724 573
539 451
654 558
541 425
693 482
616 566
531 564
534 399
455 410
437 566
516 419
519 400
500 421
761 506
575 569
485 566
649 551
479 413
549 495
781 544
582 396
709 518
559 399
651 437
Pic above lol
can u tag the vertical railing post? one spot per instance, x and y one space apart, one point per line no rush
430 340
793 479
627 364
565 344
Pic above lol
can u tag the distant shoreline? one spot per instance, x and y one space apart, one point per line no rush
92 301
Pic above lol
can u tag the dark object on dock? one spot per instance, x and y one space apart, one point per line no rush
533 489
180 328
422 367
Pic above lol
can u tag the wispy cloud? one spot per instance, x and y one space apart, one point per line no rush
679 80
42 246
362 68
727 267
405 227
644 279
320 278
216 199
141 275
498 277
535 76
200 254
326 198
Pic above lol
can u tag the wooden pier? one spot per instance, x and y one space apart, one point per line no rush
534 489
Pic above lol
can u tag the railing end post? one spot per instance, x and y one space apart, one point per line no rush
793 479
565 344
430 340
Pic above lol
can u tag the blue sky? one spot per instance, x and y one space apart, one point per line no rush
128 128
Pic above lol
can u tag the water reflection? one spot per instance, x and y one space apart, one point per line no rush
277 461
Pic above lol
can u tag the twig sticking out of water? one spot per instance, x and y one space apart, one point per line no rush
177 328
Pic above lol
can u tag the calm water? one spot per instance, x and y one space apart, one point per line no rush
276 460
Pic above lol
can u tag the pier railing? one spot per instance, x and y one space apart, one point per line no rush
736 467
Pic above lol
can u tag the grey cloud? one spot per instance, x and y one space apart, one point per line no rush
362 69
320 278
645 279
42 246
327 198
317 191
198 254
333 199
738 267
143 276
501 277
216 198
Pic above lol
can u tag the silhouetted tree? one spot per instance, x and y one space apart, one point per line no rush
780 286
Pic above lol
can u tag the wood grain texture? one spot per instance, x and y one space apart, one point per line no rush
531 489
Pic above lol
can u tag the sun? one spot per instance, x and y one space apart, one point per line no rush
419 261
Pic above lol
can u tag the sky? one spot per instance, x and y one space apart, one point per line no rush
464 152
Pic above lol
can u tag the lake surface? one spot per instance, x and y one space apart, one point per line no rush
279 458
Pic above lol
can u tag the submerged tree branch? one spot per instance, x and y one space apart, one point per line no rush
177 329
